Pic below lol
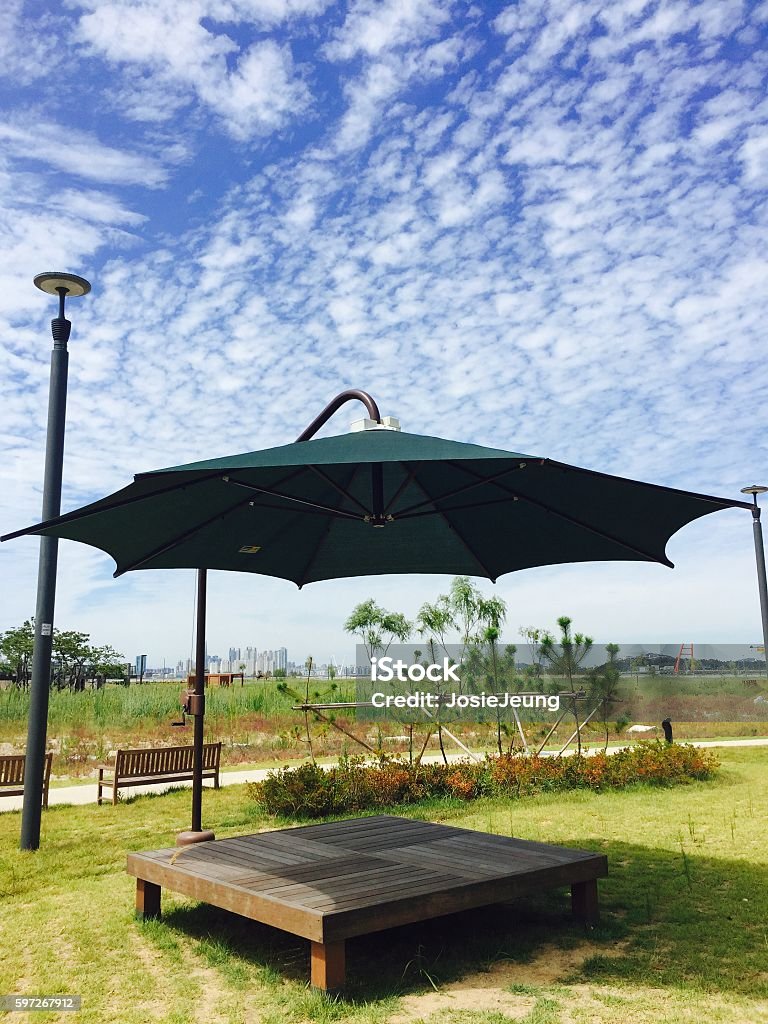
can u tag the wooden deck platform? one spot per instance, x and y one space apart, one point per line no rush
329 883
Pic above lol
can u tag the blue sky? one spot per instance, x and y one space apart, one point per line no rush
538 226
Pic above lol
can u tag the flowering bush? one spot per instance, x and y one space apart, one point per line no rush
353 785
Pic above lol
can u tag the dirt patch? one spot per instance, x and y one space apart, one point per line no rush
463 997
550 965
486 991
543 976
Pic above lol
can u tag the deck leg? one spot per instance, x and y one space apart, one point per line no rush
584 901
147 900
328 965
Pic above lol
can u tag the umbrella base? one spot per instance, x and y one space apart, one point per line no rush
187 838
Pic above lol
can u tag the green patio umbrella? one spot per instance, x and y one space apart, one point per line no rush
376 501
380 501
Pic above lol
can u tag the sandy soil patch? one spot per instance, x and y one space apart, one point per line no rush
487 990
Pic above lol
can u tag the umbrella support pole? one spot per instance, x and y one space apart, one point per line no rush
197 834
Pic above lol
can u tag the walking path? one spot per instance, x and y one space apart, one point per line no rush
86 794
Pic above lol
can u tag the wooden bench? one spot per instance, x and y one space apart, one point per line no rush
333 882
164 764
12 775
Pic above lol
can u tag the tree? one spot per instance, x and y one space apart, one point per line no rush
487 667
604 685
376 627
434 621
71 653
464 602
104 663
565 657
464 609
74 659
534 636
16 647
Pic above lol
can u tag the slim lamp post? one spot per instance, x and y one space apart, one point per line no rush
757 531
61 285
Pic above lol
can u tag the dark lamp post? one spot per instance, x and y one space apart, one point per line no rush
61 285
757 531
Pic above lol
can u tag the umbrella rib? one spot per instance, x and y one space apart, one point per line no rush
401 488
456 490
339 488
310 561
582 525
71 517
329 510
179 539
457 508
294 511
462 538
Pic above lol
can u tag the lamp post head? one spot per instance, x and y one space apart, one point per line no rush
754 490
56 283
51 282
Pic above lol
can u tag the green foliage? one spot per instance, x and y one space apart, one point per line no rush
148 704
16 651
564 657
604 685
354 785
74 658
377 628
464 601
487 668
434 622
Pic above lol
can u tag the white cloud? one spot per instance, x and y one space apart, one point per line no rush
254 90
78 153
373 27
754 155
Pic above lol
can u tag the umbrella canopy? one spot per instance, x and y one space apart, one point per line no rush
380 501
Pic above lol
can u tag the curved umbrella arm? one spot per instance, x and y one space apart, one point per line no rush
351 395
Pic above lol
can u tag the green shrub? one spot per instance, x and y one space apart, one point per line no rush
354 785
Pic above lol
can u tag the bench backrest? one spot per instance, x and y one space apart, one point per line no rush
12 769
164 760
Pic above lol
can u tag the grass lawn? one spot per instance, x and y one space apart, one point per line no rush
684 936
